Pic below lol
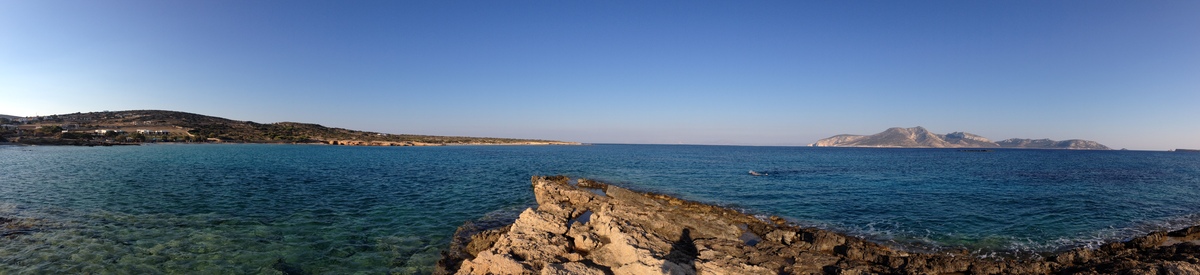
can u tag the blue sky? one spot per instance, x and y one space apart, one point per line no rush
1124 73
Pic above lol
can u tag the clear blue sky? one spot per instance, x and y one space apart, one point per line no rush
1124 73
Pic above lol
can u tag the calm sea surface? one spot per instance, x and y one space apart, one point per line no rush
327 209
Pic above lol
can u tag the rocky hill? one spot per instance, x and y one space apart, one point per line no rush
919 137
174 125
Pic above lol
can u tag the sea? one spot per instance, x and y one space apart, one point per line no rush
271 209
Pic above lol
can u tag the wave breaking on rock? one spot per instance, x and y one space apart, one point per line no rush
587 227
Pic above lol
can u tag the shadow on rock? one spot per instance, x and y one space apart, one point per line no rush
683 251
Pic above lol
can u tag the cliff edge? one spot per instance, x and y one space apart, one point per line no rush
587 227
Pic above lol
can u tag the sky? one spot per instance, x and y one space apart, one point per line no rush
1123 73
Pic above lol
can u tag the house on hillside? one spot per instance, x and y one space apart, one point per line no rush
106 131
153 132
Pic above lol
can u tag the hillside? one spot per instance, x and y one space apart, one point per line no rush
919 137
175 126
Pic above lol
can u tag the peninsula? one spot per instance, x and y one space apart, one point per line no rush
919 137
140 126
586 227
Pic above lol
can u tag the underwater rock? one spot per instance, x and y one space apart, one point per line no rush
11 227
577 230
287 268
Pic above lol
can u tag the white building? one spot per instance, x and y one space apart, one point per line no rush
153 132
106 131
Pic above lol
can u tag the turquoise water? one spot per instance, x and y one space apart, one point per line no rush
260 209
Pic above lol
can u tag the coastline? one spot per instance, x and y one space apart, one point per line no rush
72 142
147 126
586 227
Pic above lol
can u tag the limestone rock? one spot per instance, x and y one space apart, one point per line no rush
571 268
587 227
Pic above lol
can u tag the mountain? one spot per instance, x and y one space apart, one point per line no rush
919 137
172 125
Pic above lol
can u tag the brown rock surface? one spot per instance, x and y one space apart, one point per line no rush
587 227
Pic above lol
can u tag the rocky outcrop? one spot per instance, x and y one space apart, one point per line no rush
967 140
586 227
1173 252
839 141
919 137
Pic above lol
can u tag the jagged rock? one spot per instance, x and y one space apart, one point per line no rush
1179 268
571 268
575 230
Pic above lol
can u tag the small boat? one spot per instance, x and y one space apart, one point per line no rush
752 173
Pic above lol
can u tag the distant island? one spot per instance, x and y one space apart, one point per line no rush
919 137
142 126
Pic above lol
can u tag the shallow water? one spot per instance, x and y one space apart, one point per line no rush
261 209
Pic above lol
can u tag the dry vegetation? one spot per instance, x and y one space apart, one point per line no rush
183 126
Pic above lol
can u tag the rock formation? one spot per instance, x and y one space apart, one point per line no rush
586 227
919 137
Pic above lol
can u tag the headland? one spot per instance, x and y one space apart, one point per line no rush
151 126
587 227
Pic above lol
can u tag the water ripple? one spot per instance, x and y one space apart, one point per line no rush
328 209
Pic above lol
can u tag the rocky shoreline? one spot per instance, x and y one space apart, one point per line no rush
587 227
414 143
82 142
64 142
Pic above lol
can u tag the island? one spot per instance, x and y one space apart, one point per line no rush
581 226
146 126
919 137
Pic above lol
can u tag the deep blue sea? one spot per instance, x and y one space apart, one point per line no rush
250 209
